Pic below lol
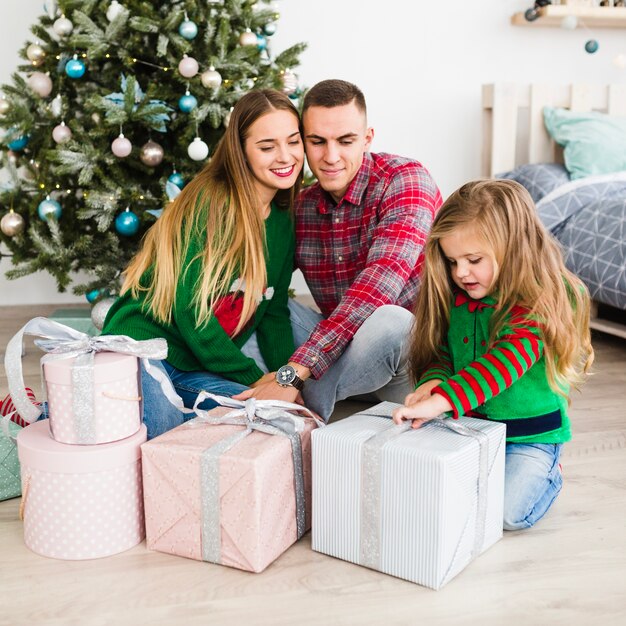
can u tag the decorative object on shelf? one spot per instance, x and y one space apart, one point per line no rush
115 8
61 133
591 46
248 38
211 79
198 150
75 67
127 223
35 54
188 67
49 208
187 103
40 83
63 27
100 310
151 153
188 29
121 147
12 224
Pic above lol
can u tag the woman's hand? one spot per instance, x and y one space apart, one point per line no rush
266 388
422 411
422 392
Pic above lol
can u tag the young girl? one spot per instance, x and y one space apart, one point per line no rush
501 332
214 270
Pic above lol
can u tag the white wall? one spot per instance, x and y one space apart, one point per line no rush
420 64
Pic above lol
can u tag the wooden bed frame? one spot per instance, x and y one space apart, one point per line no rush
514 133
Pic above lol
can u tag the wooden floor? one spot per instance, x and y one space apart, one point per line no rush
570 569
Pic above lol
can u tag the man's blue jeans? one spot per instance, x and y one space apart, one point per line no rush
532 482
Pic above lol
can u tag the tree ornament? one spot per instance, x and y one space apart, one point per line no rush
75 68
35 54
61 133
188 67
121 147
12 156
261 42
115 8
56 106
176 179
63 27
4 106
51 7
198 150
49 208
40 83
151 153
592 46
211 79
269 29
19 143
531 14
187 103
12 224
188 29
247 38
127 223
569 22
99 312
92 295
290 82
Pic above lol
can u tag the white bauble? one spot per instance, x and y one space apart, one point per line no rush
188 67
211 79
40 83
61 133
63 27
115 8
56 106
198 150
248 38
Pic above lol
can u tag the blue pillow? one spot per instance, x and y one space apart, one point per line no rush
538 178
594 143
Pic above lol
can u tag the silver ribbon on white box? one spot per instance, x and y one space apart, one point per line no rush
273 417
62 342
371 476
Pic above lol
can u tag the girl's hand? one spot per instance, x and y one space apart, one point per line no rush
422 411
422 392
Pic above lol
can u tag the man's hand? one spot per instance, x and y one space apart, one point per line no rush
266 388
422 392
422 411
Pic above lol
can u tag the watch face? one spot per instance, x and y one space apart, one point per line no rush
285 375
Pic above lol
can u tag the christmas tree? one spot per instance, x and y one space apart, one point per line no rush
118 105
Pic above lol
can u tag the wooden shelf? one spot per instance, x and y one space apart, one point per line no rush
592 17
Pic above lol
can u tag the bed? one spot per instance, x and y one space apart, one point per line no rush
567 146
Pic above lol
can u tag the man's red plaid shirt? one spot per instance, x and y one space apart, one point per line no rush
364 252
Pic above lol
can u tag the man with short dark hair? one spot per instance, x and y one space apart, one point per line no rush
360 234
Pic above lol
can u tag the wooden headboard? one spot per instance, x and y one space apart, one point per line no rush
513 129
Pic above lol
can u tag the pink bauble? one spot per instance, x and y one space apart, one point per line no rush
61 133
188 67
40 83
121 147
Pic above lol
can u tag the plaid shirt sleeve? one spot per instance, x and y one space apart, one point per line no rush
406 213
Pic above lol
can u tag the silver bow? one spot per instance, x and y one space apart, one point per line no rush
63 342
268 416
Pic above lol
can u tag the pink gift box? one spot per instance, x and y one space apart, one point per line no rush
116 399
257 504
80 502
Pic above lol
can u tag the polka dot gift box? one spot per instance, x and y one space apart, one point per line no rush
80 502
116 400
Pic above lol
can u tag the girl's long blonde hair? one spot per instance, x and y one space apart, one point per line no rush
529 272
222 200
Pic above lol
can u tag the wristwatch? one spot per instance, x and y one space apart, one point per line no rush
286 376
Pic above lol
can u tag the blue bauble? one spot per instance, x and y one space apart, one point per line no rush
269 29
187 103
176 179
19 143
49 208
261 42
92 295
188 29
127 223
75 68
592 46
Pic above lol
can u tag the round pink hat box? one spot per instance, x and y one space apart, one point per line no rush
80 502
116 401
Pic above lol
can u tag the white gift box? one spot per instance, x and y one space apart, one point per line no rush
418 504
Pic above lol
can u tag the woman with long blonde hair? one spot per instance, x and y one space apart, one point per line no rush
501 332
213 272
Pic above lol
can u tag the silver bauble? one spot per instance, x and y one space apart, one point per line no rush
99 312
12 224
248 38
151 154
63 27
40 83
56 106
36 54
211 79
61 133
4 106
290 82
